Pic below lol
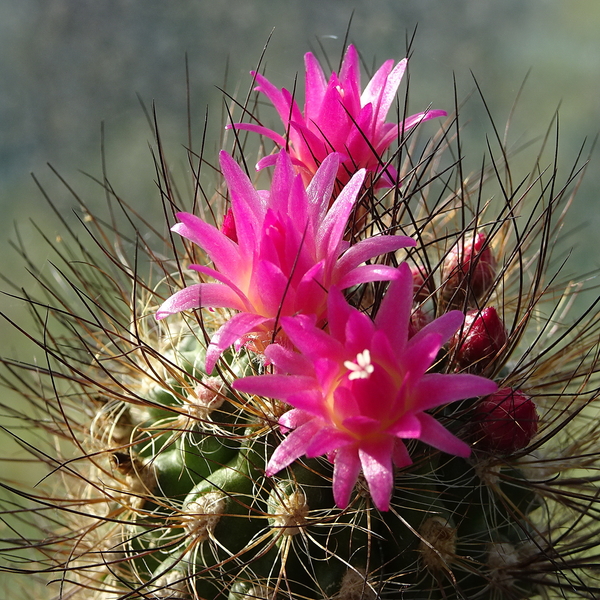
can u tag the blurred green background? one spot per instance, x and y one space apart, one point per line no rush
68 65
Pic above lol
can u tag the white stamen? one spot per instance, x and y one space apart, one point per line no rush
362 368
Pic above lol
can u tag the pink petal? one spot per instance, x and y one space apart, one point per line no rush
308 339
350 80
376 460
362 426
315 86
407 427
339 312
247 204
401 457
359 333
226 281
393 315
265 131
292 447
320 189
267 161
288 361
366 273
308 400
229 333
281 184
370 248
200 295
409 123
345 473
327 440
446 326
332 228
418 358
275 95
273 386
436 435
436 389
386 98
224 252
293 419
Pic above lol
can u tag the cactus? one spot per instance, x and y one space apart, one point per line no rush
159 480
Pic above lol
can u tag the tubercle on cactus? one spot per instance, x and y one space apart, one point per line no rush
156 483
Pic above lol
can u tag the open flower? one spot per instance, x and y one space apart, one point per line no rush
361 388
289 251
339 118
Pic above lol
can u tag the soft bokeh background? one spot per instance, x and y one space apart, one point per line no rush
68 65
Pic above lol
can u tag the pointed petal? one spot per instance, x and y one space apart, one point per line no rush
393 315
331 231
320 189
388 93
327 440
247 204
229 333
401 456
309 339
350 80
273 386
293 419
275 95
309 400
292 447
339 312
446 326
370 248
281 184
289 362
376 460
436 389
401 128
408 427
376 85
200 295
226 281
366 273
223 251
264 131
314 88
345 473
436 435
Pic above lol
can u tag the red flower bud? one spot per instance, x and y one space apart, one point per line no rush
505 422
468 270
228 227
420 289
482 336
418 320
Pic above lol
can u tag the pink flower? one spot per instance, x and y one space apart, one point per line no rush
362 388
289 252
339 118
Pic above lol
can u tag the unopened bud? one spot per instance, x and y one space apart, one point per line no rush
418 320
420 289
228 227
468 271
479 341
505 422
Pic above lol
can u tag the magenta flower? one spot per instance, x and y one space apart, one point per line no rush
362 388
339 118
287 252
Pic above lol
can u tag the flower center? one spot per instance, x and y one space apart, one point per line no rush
362 368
